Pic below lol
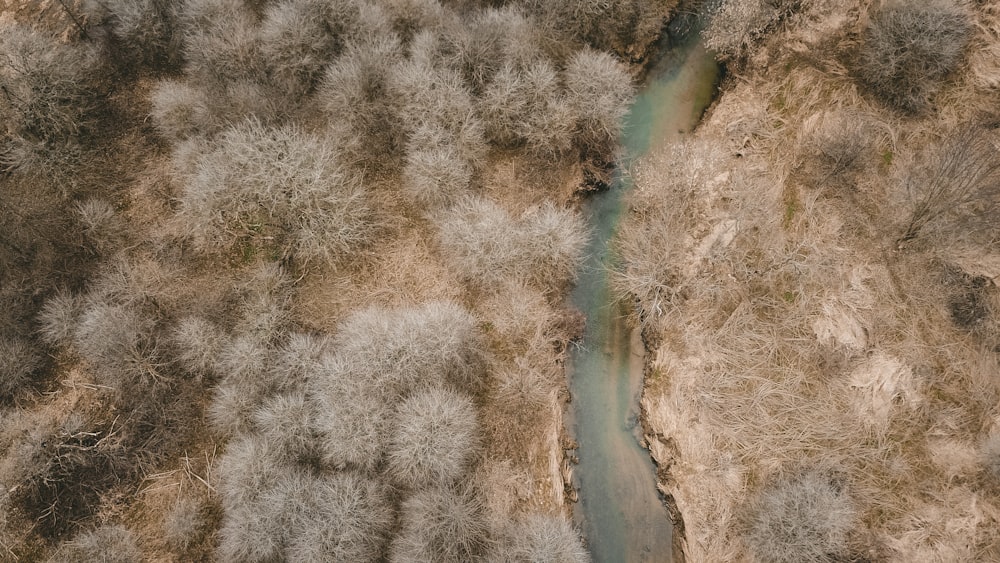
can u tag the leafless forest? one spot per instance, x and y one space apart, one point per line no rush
284 280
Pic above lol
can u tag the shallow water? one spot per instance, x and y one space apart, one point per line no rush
620 510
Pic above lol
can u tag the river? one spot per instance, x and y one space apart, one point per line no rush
620 510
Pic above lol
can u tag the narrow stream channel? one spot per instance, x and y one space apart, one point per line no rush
620 510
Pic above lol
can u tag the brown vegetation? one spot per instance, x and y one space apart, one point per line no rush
815 271
247 316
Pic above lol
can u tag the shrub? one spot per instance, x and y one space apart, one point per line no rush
181 110
540 537
248 468
479 46
435 174
446 524
436 97
736 27
434 439
264 184
108 544
801 519
251 534
19 360
101 225
264 302
147 29
488 248
609 26
361 110
119 343
57 319
340 517
353 415
955 193
408 17
401 350
300 37
299 358
253 477
185 523
910 46
286 421
600 91
48 87
198 344
221 42
839 147
246 383
526 105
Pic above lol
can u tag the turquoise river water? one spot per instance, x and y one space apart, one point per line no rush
620 510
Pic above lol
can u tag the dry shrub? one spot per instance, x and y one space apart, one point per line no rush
482 43
276 510
102 227
806 518
662 209
516 318
221 42
340 517
353 415
57 319
185 523
300 37
249 469
737 27
286 421
619 26
112 543
436 97
525 105
181 110
279 188
48 86
520 411
401 350
839 145
19 360
600 91
265 298
148 30
488 248
540 537
120 344
197 345
246 382
408 17
435 174
909 47
446 524
434 439
354 93
50 94
954 195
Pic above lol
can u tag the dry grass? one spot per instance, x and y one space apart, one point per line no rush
796 341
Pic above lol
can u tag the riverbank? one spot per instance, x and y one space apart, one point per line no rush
820 380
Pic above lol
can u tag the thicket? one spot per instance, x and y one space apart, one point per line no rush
909 47
291 128
276 190
736 27
147 32
488 247
804 518
953 195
